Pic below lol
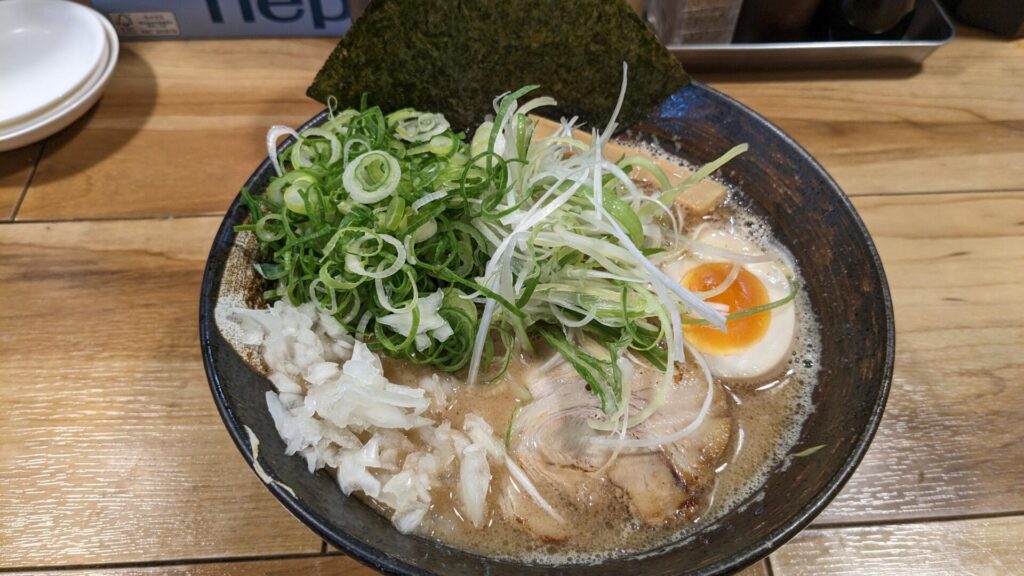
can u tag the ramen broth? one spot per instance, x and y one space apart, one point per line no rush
765 416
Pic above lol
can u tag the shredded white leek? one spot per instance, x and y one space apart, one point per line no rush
524 482
566 207
273 135
428 198
724 254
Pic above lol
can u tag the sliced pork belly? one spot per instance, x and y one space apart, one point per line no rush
555 444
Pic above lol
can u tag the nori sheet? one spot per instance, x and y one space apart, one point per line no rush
455 56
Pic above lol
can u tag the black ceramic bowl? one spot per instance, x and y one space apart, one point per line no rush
848 292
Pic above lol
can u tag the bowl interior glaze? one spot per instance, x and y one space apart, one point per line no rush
847 288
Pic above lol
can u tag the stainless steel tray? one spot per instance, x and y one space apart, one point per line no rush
929 29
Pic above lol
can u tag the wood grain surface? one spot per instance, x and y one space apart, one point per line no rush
981 547
182 124
979 77
950 440
179 129
113 459
956 125
111 449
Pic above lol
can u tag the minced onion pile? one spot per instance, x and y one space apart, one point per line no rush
452 253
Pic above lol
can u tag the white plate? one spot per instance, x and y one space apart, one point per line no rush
48 49
58 117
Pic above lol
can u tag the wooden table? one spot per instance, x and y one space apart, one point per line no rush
113 459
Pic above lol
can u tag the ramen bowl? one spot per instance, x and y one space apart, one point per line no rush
843 279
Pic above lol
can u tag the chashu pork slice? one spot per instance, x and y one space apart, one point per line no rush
553 442
673 480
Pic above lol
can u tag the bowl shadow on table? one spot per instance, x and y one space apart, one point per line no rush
113 122
14 163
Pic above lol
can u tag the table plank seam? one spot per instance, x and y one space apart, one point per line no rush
935 193
165 563
115 219
28 182
916 520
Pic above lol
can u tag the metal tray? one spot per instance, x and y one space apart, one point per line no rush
929 29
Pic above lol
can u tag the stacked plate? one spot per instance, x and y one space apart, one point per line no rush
55 60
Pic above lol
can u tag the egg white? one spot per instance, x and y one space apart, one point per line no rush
768 356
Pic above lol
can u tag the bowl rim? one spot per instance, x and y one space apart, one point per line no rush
377 559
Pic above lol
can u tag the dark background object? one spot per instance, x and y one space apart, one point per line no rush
823 20
775 20
929 29
869 19
1004 17
843 277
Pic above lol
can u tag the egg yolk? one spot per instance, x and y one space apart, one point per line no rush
745 292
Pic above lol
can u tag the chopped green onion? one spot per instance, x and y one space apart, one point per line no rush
372 177
524 239
508 429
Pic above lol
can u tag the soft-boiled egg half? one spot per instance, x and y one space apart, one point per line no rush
754 347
